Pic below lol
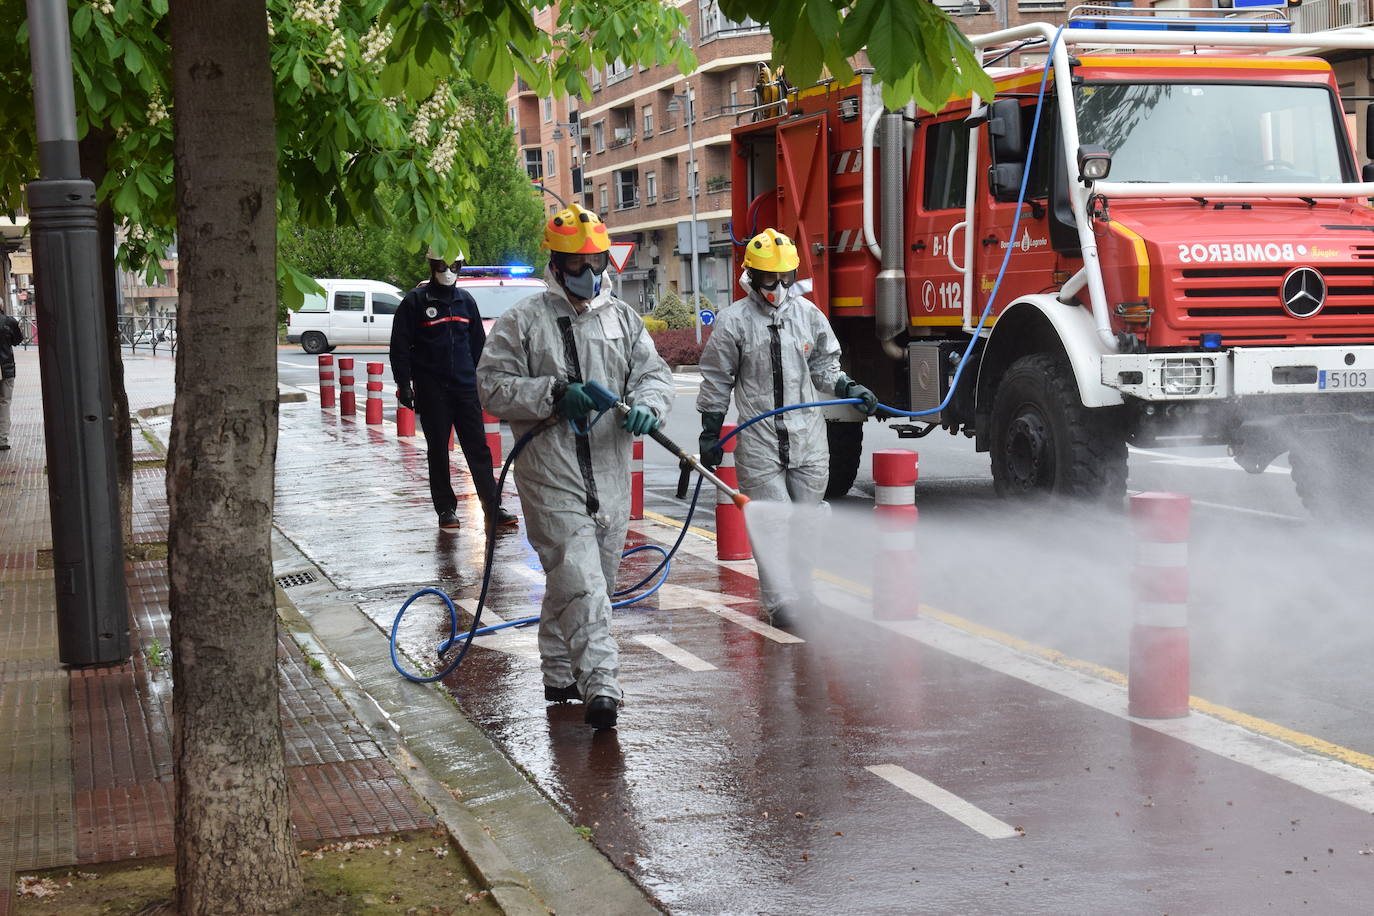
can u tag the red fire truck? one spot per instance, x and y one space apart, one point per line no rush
1191 261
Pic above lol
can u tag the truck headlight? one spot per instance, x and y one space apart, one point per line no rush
1187 376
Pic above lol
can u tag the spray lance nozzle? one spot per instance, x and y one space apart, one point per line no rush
605 399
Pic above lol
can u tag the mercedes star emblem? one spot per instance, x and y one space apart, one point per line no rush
1303 292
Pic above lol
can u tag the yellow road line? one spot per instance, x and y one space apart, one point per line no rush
1101 672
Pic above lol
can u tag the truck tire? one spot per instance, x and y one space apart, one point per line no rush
846 450
1331 474
314 343
1045 442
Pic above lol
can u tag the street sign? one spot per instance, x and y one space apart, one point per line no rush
707 316
620 254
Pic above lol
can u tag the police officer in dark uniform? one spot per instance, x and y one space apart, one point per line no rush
436 341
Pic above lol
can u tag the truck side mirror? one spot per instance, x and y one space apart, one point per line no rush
1005 135
1369 131
1367 172
1004 181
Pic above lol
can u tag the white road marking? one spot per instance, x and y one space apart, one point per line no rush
522 643
1215 462
752 623
943 800
675 653
677 597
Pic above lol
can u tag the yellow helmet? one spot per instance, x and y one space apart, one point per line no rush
576 231
771 251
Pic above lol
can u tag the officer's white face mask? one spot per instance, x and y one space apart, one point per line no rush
446 278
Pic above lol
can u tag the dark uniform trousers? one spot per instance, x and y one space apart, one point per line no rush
449 407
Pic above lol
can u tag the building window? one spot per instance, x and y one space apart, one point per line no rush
626 189
617 71
648 120
650 188
732 95
550 163
534 167
599 136
605 198
511 113
714 23
548 109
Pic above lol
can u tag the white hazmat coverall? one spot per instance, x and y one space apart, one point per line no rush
575 490
771 357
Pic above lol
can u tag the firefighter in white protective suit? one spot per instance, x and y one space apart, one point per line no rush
771 349
574 484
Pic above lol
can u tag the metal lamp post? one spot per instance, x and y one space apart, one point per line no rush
690 112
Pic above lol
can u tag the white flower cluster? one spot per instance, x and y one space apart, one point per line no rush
375 43
389 104
321 14
431 108
334 54
123 131
441 160
271 29
136 234
157 109
103 6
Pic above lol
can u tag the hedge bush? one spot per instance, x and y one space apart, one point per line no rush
679 346
653 325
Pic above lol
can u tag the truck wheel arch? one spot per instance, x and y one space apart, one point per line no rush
1041 324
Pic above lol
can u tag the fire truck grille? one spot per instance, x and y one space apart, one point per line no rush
1247 293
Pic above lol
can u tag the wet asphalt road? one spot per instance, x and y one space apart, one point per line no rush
758 771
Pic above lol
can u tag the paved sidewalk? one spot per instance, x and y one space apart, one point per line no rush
86 766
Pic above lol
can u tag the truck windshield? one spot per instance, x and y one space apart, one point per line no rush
1187 132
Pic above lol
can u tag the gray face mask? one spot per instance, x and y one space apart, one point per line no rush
584 285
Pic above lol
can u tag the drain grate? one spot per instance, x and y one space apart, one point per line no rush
292 579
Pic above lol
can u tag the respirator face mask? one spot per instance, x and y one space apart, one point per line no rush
581 274
771 285
445 274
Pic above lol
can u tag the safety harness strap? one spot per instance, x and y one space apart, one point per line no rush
584 443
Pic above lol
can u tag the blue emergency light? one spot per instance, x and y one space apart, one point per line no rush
1271 26
498 270
1211 341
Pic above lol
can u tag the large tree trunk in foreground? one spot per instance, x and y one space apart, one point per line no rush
235 852
94 151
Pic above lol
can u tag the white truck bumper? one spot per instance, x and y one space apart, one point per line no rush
1239 372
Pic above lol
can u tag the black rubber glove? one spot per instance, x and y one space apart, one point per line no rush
711 453
846 387
405 393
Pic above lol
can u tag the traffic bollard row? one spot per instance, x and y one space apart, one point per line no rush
348 404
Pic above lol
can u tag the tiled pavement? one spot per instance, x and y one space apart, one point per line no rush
85 755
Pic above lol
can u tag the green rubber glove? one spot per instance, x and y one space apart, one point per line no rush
641 420
846 387
711 453
575 403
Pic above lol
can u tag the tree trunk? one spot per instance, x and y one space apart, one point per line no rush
235 851
94 152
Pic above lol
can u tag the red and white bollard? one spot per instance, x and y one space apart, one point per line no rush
374 394
637 479
492 426
405 421
1158 687
348 404
732 538
895 592
326 381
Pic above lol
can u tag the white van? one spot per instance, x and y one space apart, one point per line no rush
350 312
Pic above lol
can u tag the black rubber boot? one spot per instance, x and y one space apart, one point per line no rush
781 617
561 694
601 712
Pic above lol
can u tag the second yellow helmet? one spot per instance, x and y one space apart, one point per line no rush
576 231
772 251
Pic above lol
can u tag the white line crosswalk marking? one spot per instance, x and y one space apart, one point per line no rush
943 800
674 653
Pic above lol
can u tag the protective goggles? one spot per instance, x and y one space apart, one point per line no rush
439 267
769 280
572 263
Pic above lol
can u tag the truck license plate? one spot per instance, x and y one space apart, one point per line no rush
1343 380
